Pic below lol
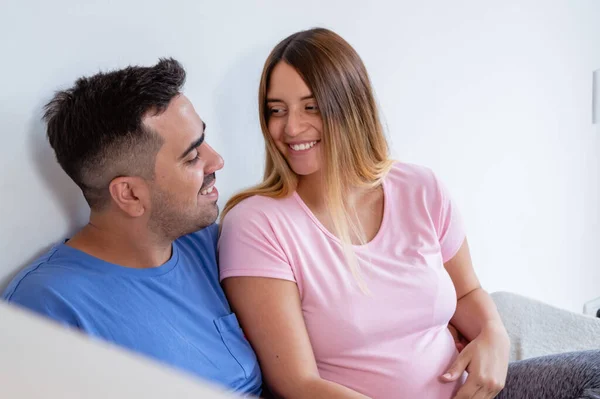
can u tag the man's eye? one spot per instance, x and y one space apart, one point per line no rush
195 159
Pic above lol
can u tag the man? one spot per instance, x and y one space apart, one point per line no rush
142 273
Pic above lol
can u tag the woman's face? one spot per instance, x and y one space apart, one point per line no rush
294 120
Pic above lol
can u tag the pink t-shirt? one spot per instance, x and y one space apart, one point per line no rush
393 343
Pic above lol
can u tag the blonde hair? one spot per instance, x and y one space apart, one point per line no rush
352 132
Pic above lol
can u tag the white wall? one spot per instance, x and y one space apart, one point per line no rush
495 97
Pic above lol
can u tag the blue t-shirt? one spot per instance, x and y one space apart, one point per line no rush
176 313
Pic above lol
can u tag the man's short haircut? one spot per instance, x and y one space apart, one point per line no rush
96 129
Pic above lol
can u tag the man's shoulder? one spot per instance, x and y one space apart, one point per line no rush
40 273
48 286
57 270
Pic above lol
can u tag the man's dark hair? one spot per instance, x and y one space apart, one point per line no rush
96 129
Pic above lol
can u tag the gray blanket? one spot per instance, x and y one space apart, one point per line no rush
538 329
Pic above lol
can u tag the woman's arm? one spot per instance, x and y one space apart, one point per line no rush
475 309
270 314
476 317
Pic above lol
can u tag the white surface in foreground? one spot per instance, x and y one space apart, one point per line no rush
40 359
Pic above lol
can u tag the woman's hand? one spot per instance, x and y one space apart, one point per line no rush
486 360
459 340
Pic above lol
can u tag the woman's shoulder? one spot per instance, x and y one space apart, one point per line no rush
411 174
257 207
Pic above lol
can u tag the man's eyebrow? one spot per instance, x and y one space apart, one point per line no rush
195 144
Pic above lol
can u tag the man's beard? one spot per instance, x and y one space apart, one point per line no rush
172 221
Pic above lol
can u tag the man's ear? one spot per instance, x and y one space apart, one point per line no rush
130 194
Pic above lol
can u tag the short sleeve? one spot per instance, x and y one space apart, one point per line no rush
33 293
448 222
249 247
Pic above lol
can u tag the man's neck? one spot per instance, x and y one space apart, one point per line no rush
124 243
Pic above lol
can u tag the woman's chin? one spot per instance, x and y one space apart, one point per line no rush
304 170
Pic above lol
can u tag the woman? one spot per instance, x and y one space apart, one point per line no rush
344 267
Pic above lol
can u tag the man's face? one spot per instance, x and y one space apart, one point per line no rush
183 196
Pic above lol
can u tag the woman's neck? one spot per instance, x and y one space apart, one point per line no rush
365 206
312 190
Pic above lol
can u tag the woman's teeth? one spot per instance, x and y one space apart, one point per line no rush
303 146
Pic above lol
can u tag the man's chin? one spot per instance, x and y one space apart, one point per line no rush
208 217
216 215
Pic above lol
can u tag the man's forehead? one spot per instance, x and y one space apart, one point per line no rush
179 118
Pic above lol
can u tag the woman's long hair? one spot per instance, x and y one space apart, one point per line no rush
355 153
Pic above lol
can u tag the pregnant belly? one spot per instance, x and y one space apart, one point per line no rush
407 367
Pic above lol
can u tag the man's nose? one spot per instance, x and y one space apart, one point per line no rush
214 161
